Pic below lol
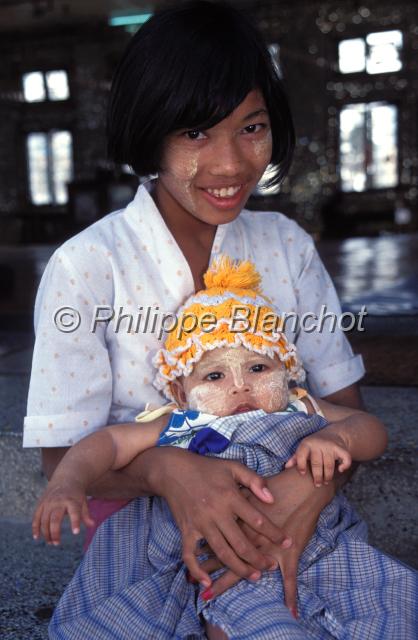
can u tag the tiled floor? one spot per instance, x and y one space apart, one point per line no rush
381 273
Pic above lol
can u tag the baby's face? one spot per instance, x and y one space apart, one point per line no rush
228 381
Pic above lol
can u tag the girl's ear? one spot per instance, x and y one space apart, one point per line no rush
179 394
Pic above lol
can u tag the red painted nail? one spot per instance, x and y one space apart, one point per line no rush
207 595
287 542
294 612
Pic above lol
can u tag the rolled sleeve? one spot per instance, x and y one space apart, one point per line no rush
324 381
326 353
61 430
70 388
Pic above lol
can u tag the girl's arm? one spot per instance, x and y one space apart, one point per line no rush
86 462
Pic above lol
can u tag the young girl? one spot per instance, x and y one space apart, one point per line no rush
235 381
196 100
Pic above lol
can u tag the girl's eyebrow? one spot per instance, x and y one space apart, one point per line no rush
254 114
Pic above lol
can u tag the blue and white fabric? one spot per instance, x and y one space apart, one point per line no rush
205 433
131 584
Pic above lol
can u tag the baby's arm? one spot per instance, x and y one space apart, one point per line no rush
109 449
364 435
352 435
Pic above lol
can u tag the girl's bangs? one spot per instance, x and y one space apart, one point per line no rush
214 85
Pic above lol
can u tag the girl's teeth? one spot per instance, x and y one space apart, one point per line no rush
224 192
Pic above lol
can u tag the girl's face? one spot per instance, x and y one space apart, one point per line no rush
209 174
235 380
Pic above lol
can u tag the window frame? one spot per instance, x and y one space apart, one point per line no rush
47 98
53 204
369 188
364 72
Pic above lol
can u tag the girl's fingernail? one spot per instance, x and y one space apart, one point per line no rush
317 484
207 595
294 612
267 493
76 530
205 582
254 576
287 542
273 566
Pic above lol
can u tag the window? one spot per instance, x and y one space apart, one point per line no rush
39 86
49 166
376 53
274 50
263 190
368 146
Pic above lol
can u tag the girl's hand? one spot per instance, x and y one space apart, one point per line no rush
296 510
204 496
300 527
58 499
323 450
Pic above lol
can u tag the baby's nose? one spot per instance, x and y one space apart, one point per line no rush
240 386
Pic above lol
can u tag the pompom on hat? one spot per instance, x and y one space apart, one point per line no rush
231 311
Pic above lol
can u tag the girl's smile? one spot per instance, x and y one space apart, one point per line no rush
208 175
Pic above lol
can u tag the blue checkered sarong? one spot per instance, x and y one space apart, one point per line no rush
131 584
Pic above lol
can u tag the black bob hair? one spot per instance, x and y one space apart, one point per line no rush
189 67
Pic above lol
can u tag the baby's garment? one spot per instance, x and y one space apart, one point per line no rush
132 581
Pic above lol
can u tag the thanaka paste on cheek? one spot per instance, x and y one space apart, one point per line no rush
264 147
273 391
203 397
266 390
183 169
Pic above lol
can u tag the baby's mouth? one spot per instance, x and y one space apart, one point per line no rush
243 408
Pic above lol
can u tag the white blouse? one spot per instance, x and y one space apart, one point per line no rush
128 261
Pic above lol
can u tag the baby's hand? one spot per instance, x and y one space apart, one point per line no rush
58 499
323 450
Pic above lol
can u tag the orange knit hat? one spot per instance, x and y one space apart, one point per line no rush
230 312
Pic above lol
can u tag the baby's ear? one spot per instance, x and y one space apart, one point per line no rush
179 394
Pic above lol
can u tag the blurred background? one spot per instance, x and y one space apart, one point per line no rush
350 72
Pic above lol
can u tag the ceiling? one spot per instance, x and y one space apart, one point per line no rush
33 14
22 15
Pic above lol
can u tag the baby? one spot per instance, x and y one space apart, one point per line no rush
229 387
222 373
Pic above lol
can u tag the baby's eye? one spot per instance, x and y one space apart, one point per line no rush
195 134
257 368
214 375
255 128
